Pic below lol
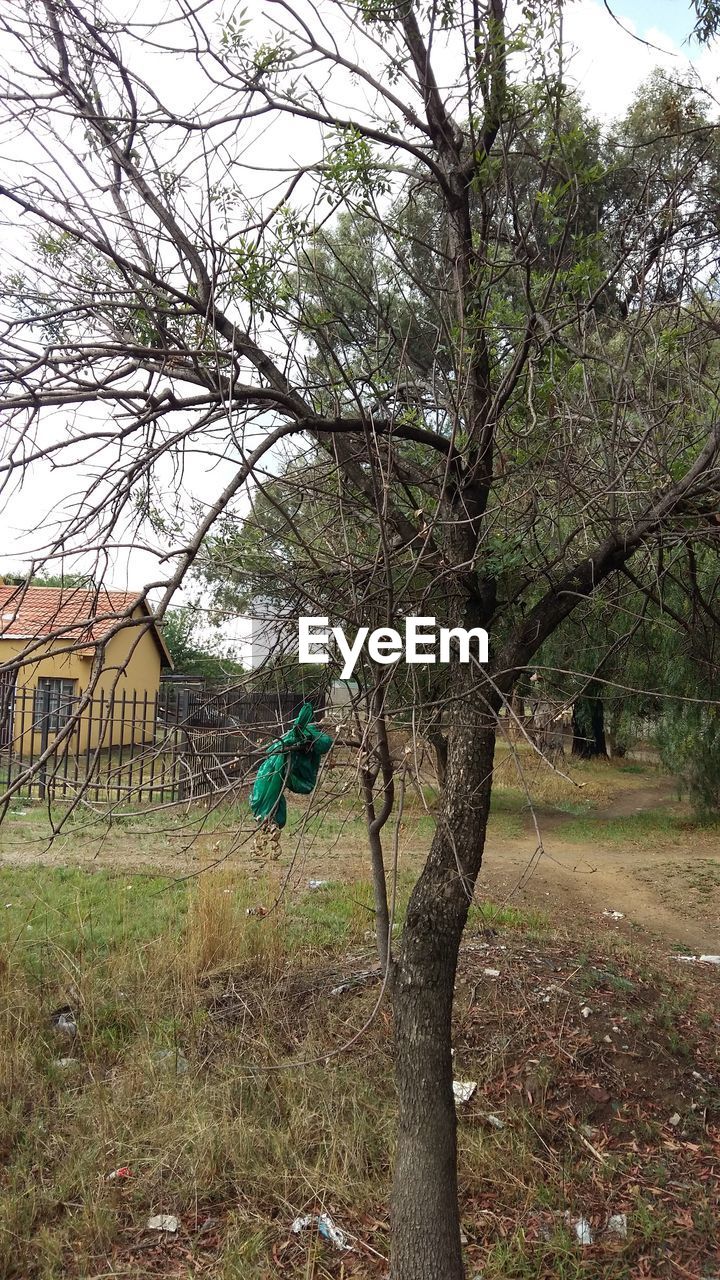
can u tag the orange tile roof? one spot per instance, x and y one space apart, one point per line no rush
27 613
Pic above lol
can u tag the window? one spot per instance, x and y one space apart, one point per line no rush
54 703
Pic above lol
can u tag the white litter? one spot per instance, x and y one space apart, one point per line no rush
64 1022
325 1226
698 959
675 1119
583 1231
163 1222
317 884
614 915
491 973
495 1122
617 1225
586 1011
546 993
464 1089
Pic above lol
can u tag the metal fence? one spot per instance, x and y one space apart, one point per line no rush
188 741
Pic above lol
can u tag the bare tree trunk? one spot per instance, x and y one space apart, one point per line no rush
439 743
589 724
426 1222
426 1227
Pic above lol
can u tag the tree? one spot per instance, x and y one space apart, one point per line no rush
65 580
688 731
493 342
192 653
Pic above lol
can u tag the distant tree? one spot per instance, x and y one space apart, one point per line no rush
193 654
67 580
688 717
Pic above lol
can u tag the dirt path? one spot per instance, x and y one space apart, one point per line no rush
649 889
659 794
670 887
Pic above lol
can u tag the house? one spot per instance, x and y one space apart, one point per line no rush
49 639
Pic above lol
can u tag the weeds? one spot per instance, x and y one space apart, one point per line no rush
206 1061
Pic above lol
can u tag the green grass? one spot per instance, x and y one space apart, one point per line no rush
634 767
75 913
501 916
334 818
47 910
637 828
513 801
142 960
135 957
330 820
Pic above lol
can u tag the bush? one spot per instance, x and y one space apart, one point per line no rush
688 739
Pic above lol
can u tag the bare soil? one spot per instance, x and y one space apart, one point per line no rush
589 879
668 884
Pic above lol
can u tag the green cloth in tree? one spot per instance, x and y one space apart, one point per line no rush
291 762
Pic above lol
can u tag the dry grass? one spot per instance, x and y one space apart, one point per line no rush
592 783
207 1062
220 935
184 1070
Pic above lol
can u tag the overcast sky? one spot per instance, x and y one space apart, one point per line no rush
608 64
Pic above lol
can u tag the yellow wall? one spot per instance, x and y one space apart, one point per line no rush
131 666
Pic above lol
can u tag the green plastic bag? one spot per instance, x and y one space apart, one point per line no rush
291 762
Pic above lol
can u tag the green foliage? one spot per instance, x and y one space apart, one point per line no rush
252 278
378 11
192 653
233 36
55 248
689 740
656 660
351 171
708 20
67 580
688 733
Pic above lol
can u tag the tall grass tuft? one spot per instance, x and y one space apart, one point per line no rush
219 934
